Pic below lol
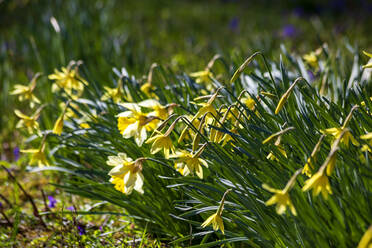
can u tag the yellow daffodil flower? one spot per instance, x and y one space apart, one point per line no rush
69 80
217 222
148 89
249 102
159 142
160 111
127 174
369 65
116 94
319 183
216 218
336 132
208 107
26 92
134 123
346 134
58 125
366 240
28 122
38 156
281 197
189 163
227 137
311 59
365 147
271 155
202 76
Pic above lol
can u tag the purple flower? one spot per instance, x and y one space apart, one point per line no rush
311 75
289 31
16 153
101 228
81 230
52 202
71 208
234 24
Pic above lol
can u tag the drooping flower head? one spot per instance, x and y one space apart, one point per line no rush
69 80
281 197
126 174
27 92
319 183
135 123
342 132
38 155
28 122
189 163
216 218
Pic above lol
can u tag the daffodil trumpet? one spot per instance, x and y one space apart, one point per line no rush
285 96
126 174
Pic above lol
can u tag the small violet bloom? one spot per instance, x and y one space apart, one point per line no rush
71 208
81 230
234 24
16 153
52 202
311 75
289 31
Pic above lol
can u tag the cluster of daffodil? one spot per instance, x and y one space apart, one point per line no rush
151 116
319 181
71 84
147 121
